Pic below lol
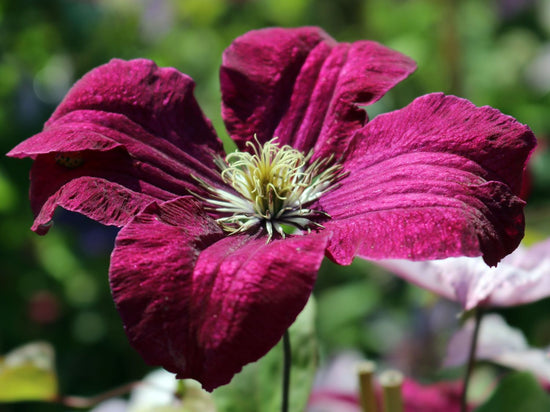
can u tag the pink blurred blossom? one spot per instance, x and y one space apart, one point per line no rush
521 277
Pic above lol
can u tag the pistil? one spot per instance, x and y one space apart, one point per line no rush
274 186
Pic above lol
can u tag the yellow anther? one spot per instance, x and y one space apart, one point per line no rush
274 184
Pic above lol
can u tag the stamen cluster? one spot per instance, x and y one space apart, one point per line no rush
274 186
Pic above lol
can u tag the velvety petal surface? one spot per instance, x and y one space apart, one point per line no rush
436 179
129 123
202 304
99 199
521 277
303 87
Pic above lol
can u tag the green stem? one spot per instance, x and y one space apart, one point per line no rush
471 360
451 46
287 360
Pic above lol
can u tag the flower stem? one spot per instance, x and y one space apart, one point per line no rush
478 313
287 361
451 46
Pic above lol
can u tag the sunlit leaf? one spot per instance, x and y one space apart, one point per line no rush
27 374
517 392
286 11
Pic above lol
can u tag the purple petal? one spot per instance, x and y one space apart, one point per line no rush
439 178
303 87
442 277
130 123
106 202
160 100
203 305
520 278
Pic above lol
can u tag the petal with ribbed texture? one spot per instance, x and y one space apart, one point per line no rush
303 87
203 305
130 123
436 179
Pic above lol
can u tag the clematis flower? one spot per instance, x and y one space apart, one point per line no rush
521 277
217 255
500 343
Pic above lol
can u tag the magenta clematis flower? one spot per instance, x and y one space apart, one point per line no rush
217 255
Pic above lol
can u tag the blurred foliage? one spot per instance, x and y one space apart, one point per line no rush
257 387
517 392
55 288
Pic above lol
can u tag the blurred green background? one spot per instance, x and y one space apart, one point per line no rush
55 288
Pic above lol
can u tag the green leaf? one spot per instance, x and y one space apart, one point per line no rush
27 374
518 391
354 300
259 386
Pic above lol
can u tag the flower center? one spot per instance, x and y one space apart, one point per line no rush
274 186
